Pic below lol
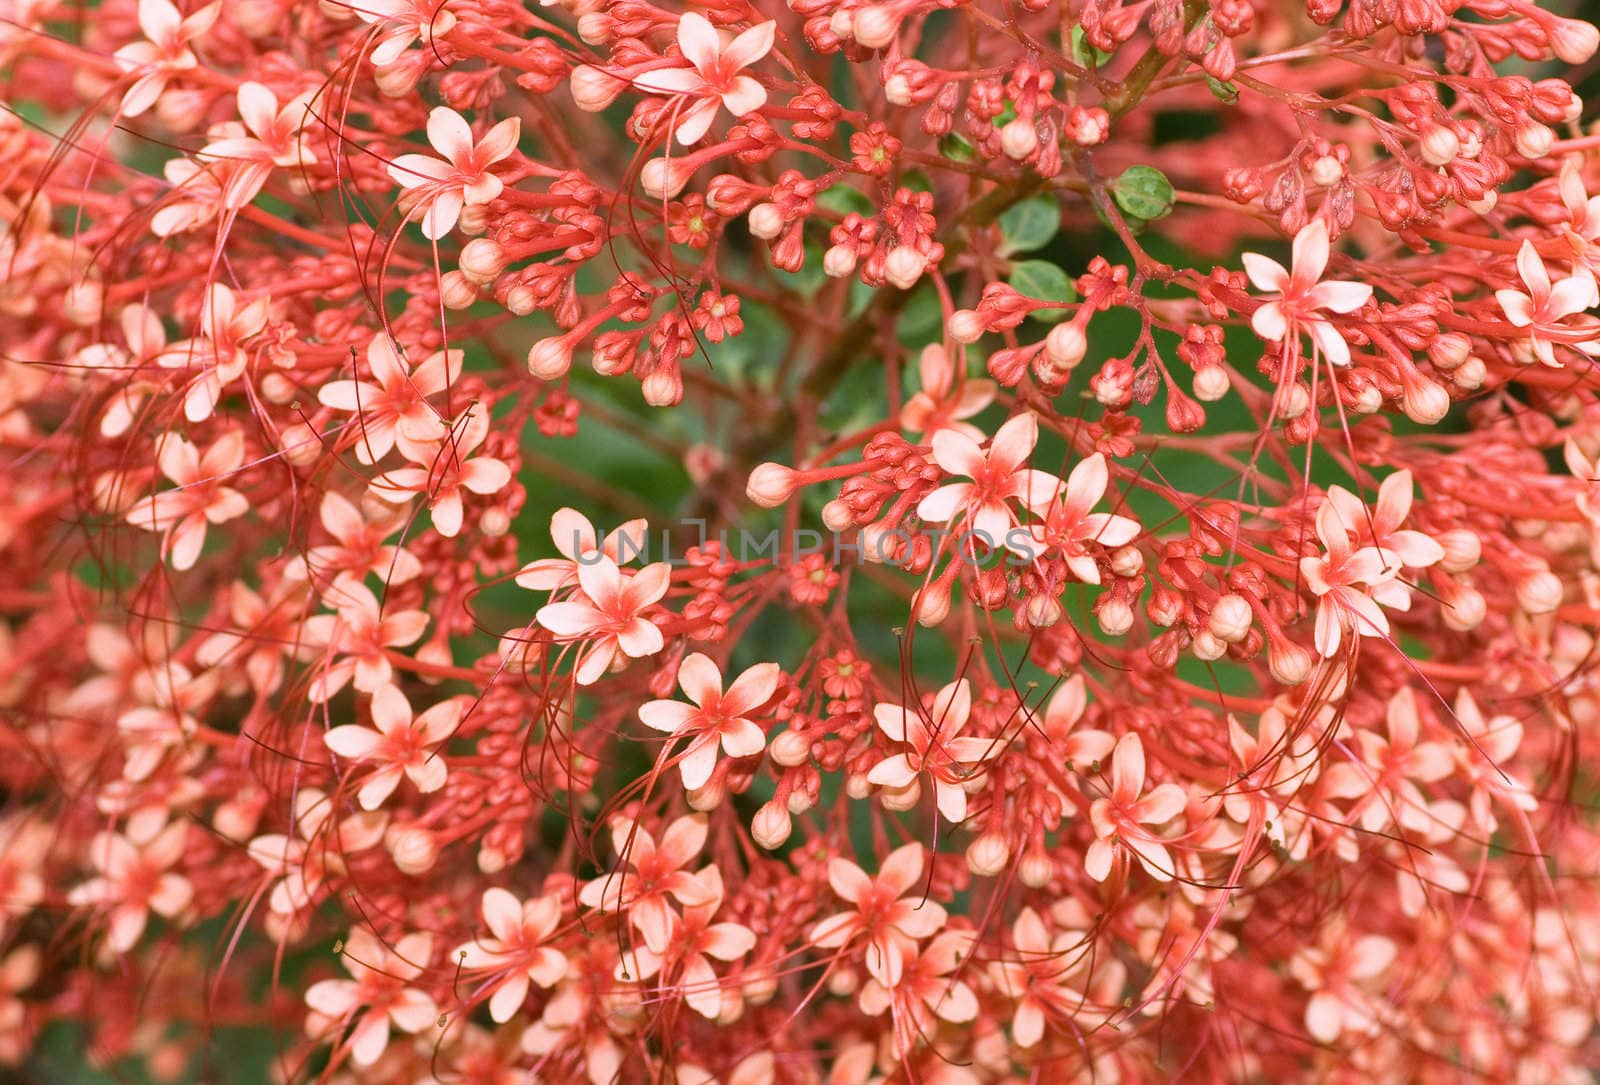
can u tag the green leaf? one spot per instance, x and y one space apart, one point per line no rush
1044 281
1030 225
1143 192
1085 54
843 199
1225 92
958 148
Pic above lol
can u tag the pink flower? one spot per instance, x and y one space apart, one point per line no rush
607 615
891 922
393 406
398 743
1543 308
1069 525
575 539
1123 818
926 992
695 940
135 879
936 748
1077 749
163 53
274 140
1381 526
303 860
358 638
401 22
462 179
378 994
200 498
717 718
1347 581
357 546
1332 972
714 78
1300 296
942 403
655 874
443 470
997 475
1038 976
518 954
218 351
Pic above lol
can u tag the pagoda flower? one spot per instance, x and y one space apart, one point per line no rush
997 475
1384 781
1583 229
194 196
443 470
1337 972
165 702
218 350
19 970
356 545
1078 750
942 403
1069 527
716 718
517 954
889 912
714 78
1489 744
200 497
1350 583
1299 295
392 405
687 959
460 177
1545 306
399 743
24 847
1124 819
400 23
936 748
576 540
265 630
164 52
134 878
270 138
357 639
303 860
928 991
1039 974
652 876
1380 526
1271 765
606 616
377 996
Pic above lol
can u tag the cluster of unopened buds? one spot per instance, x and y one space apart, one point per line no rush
930 542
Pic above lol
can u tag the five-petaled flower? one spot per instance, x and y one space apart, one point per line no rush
1300 296
717 718
607 617
1125 817
1546 306
891 922
1349 584
518 954
1069 525
998 476
462 178
164 52
715 75
393 406
937 747
399 743
201 496
378 994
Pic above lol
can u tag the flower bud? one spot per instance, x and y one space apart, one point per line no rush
965 326
874 26
707 797
1211 383
549 359
1164 608
839 261
766 221
837 515
663 387
901 799
1327 171
1036 868
1485 204
843 23
1464 609
1573 41
1471 375
662 179
278 389
1207 647
1127 561
932 604
988 854
521 300
482 259
904 266
1450 350
1019 139
593 89
1115 617
1539 593
1462 550
495 521
414 850
456 291
1440 146
300 444
771 484
1425 402
790 749
772 825
1288 662
897 89
1041 612
1534 140
1066 344
1230 618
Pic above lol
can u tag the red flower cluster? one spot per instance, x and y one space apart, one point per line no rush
1047 641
